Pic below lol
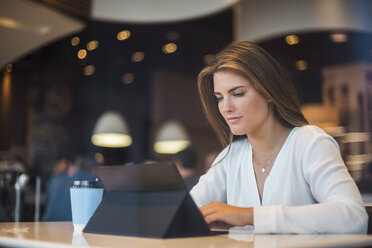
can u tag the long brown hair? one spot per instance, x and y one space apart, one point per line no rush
267 77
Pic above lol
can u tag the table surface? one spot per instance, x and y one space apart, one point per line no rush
61 234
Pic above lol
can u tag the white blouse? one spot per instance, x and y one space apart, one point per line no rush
308 190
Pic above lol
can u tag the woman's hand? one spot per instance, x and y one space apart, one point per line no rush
221 214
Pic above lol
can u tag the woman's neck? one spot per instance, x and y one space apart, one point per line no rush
268 138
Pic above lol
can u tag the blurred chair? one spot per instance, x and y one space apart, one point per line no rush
369 212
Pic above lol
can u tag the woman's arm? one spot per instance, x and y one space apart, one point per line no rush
212 185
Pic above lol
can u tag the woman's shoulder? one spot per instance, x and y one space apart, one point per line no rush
232 150
309 135
309 132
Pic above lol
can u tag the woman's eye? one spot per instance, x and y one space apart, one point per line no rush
219 99
239 94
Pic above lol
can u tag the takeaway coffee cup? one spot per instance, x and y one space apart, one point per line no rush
85 198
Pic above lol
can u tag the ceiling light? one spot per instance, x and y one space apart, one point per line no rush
169 48
301 65
75 41
89 70
111 130
92 45
171 138
127 78
123 35
137 56
82 53
292 39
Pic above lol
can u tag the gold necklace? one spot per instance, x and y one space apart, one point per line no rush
263 167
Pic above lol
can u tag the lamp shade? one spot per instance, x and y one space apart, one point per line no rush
111 130
150 11
171 138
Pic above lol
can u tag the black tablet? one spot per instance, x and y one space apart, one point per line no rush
146 200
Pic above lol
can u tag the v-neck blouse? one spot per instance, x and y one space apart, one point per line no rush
308 189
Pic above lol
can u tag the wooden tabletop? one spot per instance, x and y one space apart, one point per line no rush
61 234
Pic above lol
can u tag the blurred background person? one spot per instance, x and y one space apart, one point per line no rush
185 161
67 169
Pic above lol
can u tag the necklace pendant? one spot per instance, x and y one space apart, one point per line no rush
263 170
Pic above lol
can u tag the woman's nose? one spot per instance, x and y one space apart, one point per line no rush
227 105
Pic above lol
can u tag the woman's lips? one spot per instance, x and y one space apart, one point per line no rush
233 120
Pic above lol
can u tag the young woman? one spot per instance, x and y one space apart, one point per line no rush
284 176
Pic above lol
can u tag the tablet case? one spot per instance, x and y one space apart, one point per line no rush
148 200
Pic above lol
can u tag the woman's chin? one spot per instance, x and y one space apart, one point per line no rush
237 132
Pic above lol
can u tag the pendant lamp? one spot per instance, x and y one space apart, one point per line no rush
171 138
111 130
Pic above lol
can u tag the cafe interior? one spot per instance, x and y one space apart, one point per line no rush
115 82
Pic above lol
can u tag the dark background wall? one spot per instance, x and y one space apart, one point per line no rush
54 105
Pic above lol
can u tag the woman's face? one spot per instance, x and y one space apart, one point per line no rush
244 109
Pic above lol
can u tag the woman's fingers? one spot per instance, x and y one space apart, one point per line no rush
207 211
209 208
217 213
214 217
214 212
